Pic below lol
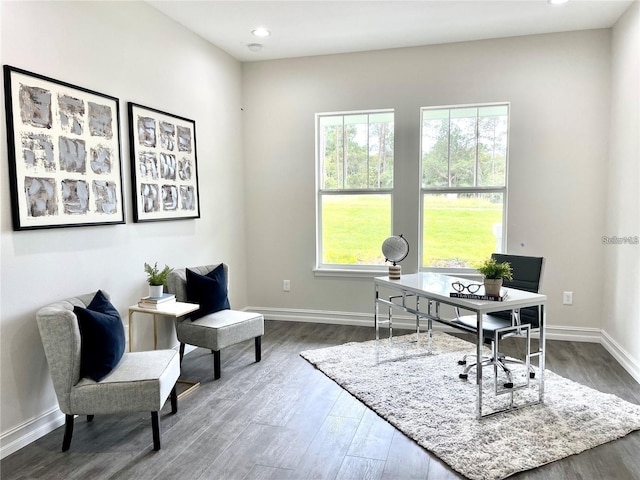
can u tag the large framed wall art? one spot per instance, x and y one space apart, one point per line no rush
65 165
164 166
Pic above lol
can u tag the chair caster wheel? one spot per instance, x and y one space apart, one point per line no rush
463 376
508 385
462 362
532 374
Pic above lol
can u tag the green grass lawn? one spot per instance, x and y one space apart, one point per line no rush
354 227
458 232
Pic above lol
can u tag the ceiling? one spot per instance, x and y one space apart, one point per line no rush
308 27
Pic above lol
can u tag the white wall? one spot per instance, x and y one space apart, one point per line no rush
558 86
130 51
621 305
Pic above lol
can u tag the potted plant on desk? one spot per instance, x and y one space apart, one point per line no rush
156 278
494 273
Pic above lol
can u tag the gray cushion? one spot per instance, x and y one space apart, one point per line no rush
221 329
141 382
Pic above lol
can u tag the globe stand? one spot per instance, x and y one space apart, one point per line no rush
395 249
394 272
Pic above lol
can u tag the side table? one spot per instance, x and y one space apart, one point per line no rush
170 309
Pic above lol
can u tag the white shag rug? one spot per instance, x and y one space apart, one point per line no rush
422 396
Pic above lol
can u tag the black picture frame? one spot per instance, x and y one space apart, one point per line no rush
164 165
65 163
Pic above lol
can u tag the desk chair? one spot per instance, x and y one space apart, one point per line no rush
527 275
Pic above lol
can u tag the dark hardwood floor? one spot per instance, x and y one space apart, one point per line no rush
282 419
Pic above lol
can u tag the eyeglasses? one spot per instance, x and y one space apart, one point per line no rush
471 288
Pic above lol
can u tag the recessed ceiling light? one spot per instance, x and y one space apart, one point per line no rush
261 32
557 2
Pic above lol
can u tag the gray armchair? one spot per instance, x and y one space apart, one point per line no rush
219 329
140 382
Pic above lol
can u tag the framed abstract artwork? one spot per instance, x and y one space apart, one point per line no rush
65 166
164 165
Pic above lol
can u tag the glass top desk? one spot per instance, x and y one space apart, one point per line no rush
435 289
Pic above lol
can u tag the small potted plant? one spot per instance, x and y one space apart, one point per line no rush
494 273
156 278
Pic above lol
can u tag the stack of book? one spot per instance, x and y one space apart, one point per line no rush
157 302
481 295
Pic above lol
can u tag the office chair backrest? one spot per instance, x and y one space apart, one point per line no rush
527 275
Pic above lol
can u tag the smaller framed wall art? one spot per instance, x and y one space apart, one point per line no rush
63 141
164 168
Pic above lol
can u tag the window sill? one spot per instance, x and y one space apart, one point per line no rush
452 272
356 273
346 273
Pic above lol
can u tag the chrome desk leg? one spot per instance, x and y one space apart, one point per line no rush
479 365
542 347
376 311
417 321
430 325
390 326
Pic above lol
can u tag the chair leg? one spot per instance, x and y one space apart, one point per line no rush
181 352
174 400
216 364
258 348
155 426
68 432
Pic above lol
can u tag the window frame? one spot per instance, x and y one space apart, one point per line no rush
479 190
337 268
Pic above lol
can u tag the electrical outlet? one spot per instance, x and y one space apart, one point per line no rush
567 298
286 285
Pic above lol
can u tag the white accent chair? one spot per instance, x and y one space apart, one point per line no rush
140 382
217 330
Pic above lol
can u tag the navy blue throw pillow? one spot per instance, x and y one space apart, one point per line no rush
102 337
209 291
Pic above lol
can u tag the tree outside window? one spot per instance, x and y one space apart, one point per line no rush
463 184
355 183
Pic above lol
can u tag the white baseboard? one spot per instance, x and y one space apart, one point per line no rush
630 364
30 431
592 335
314 316
571 334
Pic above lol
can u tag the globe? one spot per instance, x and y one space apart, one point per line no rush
395 248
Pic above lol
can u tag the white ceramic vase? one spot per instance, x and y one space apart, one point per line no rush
155 290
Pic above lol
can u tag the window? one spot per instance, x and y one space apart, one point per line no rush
463 184
354 184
